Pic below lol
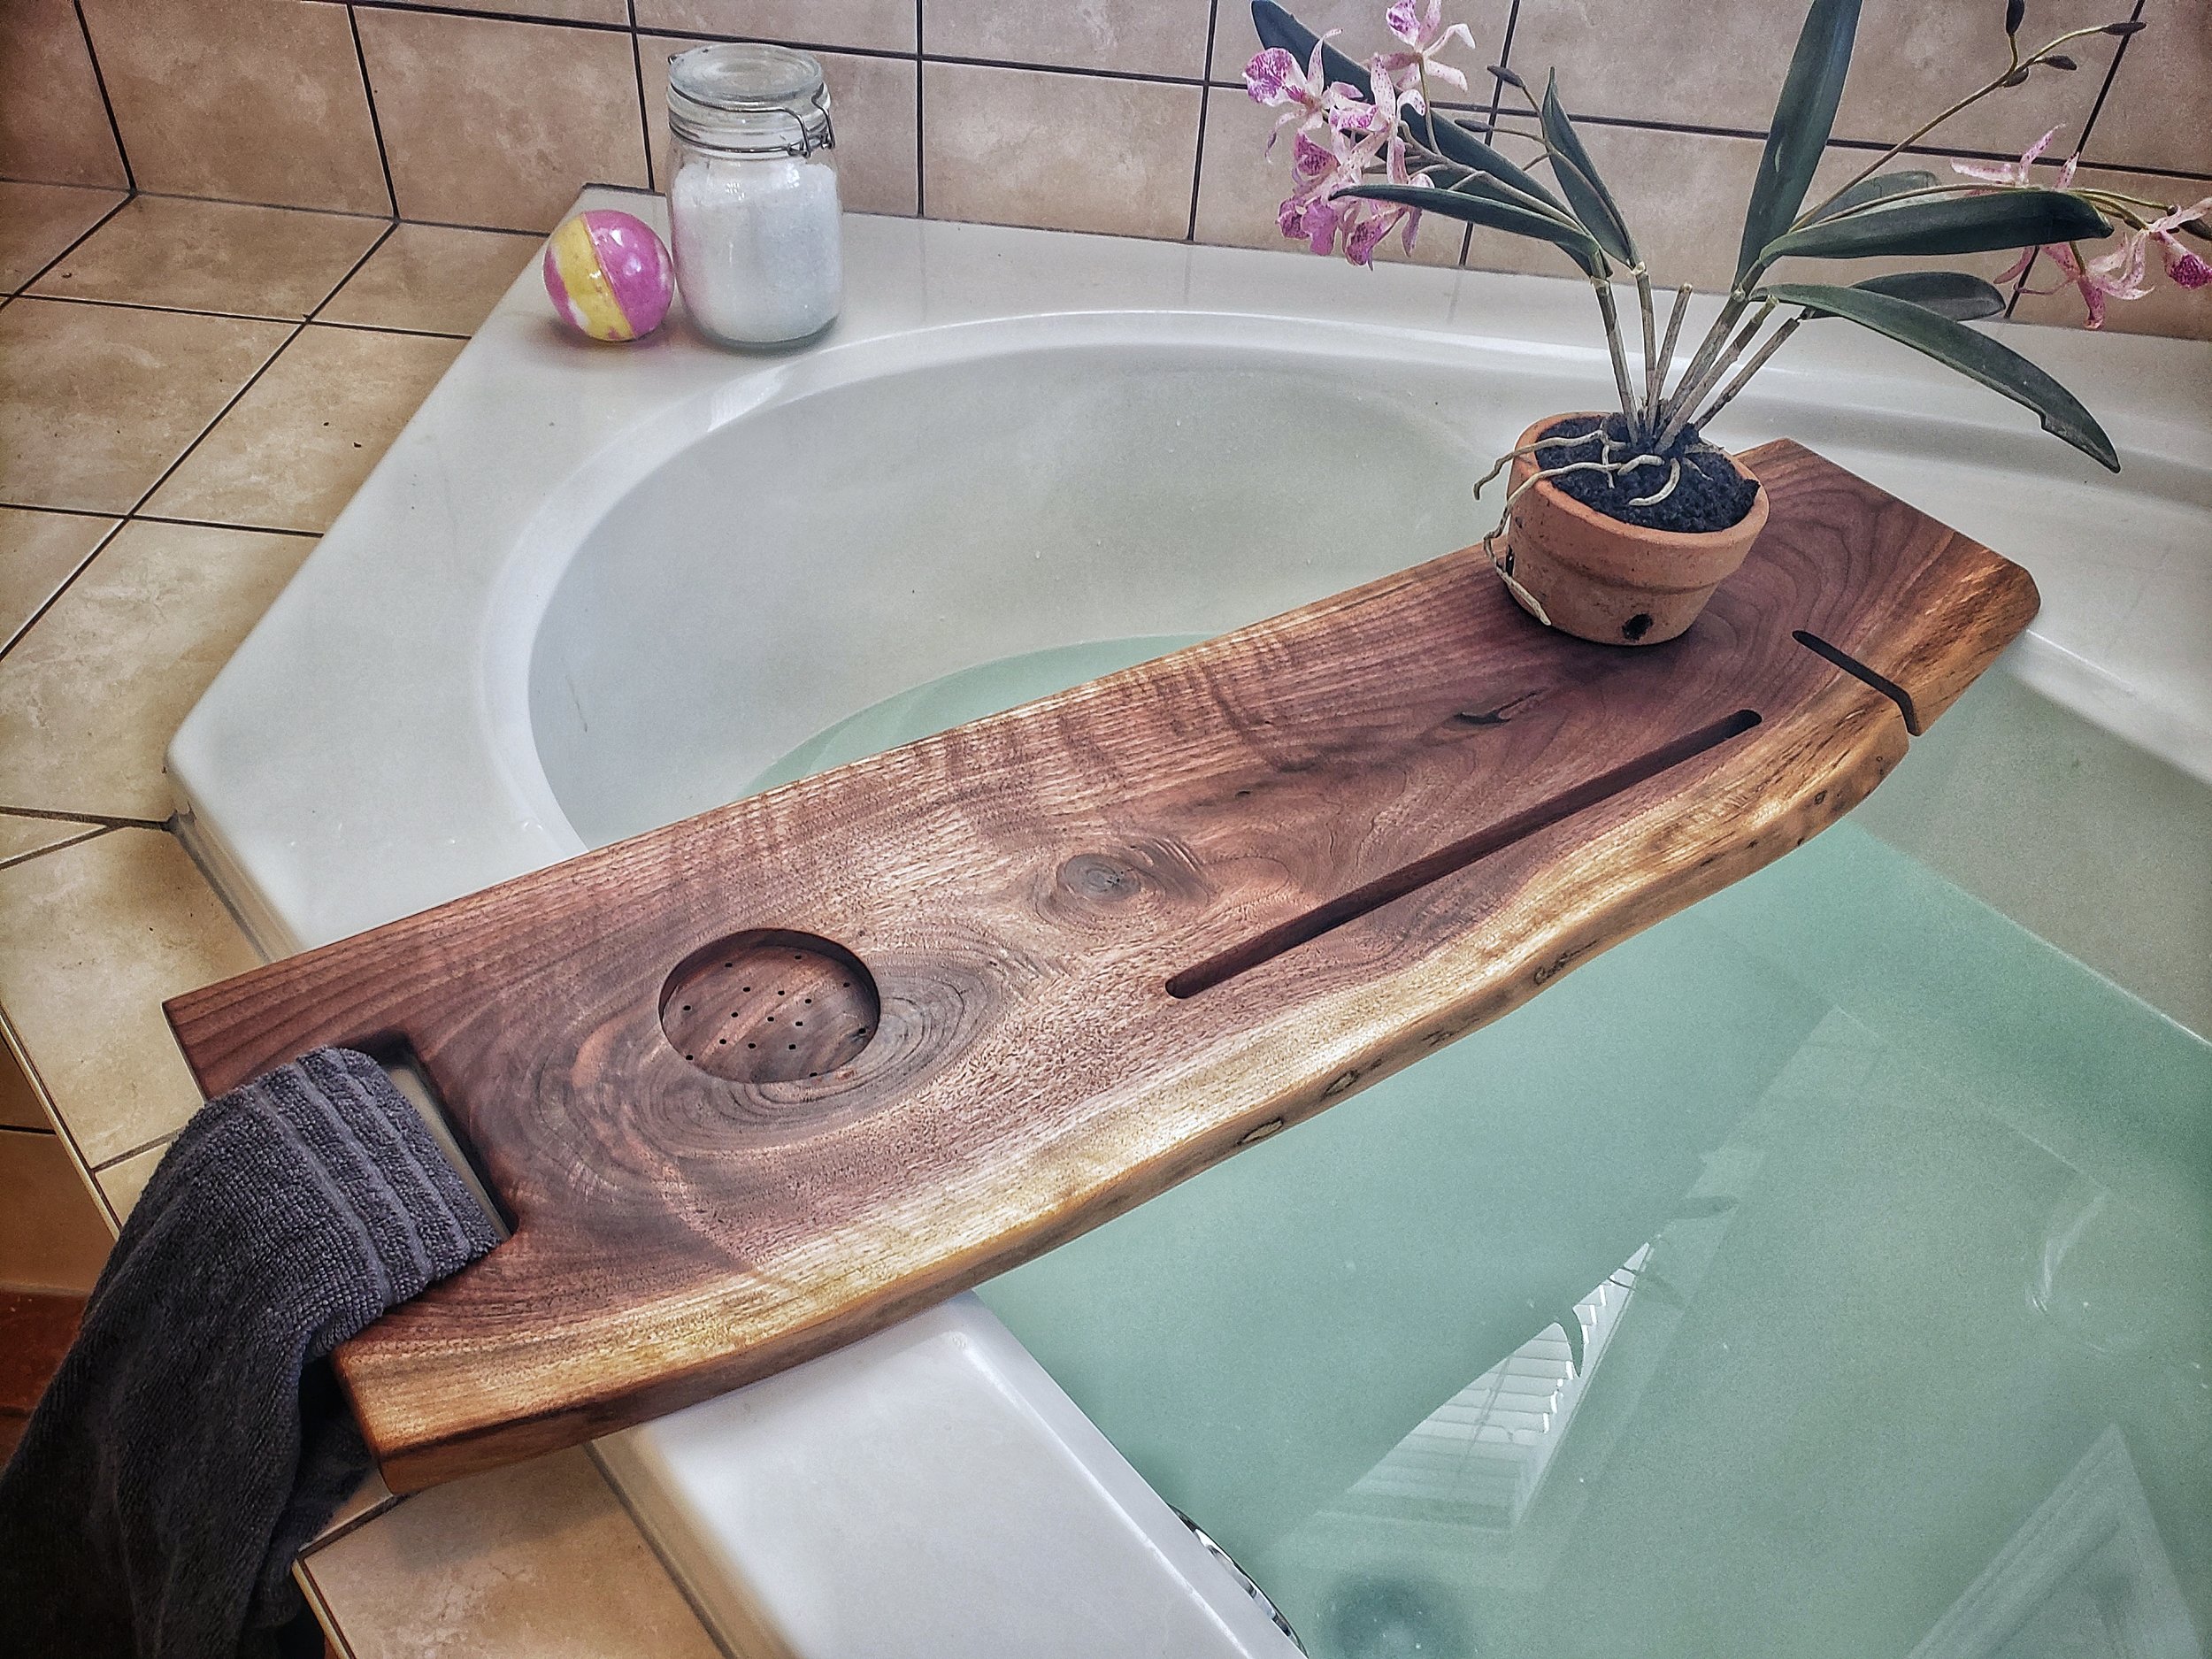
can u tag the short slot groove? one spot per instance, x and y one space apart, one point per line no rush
1310 925
1859 671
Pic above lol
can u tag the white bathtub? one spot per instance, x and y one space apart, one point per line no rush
589 591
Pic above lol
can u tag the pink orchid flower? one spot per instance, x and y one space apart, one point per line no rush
1421 28
1273 77
2017 173
2118 273
2184 266
1367 223
2101 280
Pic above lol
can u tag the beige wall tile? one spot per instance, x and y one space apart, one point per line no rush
1066 152
539 1561
38 222
2168 309
92 939
92 693
95 401
1240 190
52 124
1362 34
1139 37
1682 193
500 124
52 1234
2159 112
122 1181
214 257
428 277
566 10
1719 63
1914 59
297 445
871 25
1716 63
39 551
251 100
21 1107
874 101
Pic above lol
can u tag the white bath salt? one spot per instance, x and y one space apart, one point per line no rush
758 258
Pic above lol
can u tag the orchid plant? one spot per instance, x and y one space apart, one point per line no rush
1370 155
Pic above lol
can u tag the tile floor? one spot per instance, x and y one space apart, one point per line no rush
189 391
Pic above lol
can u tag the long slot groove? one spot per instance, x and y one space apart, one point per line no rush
1859 671
1449 860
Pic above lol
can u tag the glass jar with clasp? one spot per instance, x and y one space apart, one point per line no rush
753 204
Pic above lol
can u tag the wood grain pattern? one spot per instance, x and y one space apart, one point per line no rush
1446 806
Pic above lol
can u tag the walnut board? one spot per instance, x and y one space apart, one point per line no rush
1064 957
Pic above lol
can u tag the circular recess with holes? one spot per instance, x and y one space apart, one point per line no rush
768 1006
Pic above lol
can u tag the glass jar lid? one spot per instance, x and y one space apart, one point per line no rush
749 99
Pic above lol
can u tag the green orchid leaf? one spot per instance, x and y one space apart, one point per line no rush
1486 209
1458 143
1958 295
1880 187
1956 346
1945 225
1579 182
1803 118
1278 27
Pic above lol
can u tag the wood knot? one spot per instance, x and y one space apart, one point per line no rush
1101 878
1121 887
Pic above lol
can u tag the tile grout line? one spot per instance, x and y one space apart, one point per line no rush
62 587
921 151
368 94
1490 118
75 242
92 820
247 316
135 513
100 80
92 830
254 379
121 1157
637 69
131 514
1205 95
11 1040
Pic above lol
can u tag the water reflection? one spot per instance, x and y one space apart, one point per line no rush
1928 1292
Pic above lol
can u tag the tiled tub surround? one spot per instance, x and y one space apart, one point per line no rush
189 388
260 760
1127 118
114 616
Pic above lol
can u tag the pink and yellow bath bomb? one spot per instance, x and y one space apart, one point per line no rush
609 275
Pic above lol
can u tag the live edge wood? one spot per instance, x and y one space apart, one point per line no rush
1348 835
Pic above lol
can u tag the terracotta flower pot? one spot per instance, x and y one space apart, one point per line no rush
1599 578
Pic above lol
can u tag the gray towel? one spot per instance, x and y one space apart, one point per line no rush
194 1438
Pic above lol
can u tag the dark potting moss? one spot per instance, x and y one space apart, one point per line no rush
1711 495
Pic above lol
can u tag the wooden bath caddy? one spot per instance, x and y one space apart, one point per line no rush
757 1084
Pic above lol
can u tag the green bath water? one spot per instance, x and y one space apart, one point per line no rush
1885 1230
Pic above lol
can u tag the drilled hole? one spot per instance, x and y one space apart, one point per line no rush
721 1008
